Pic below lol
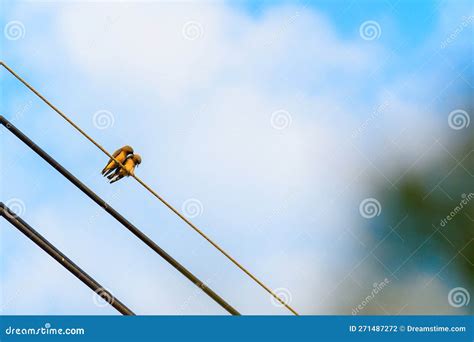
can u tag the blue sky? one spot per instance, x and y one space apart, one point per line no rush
277 117
349 14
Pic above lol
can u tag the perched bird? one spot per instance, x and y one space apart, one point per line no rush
121 155
129 168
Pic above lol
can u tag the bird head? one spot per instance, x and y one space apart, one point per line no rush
137 159
127 149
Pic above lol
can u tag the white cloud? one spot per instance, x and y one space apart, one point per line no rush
146 43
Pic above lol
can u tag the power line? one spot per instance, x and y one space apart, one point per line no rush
67 263
150 190
127 224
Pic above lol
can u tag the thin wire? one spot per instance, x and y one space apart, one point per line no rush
115 214
153 192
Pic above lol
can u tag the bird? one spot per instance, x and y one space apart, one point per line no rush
130 163
121 155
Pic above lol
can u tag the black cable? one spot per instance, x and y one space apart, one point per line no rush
127 224
153 192
49 248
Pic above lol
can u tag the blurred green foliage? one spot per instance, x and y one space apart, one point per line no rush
431 216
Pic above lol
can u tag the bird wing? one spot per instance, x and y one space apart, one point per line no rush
116 153
111 162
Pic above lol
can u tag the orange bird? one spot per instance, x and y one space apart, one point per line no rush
129 168
121 155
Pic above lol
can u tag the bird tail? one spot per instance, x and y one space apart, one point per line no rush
105 172
115 179
111 165
115 176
